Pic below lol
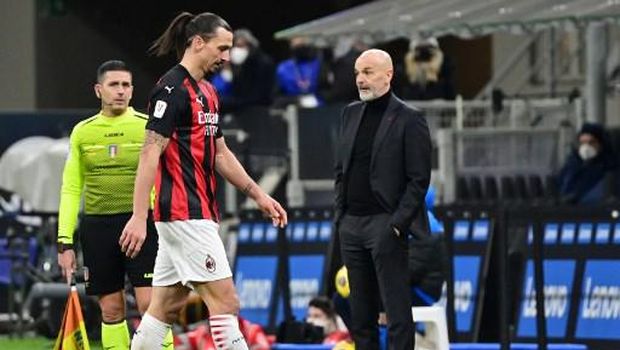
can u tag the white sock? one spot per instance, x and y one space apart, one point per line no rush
225 332
150 334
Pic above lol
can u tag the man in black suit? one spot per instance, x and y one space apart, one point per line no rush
382 173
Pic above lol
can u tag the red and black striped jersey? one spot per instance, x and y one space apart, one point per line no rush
185 111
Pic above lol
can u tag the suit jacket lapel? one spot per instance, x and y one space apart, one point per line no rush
388 119
350 134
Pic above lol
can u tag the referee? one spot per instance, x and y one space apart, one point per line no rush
102 166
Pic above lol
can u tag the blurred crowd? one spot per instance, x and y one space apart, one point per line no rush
313 76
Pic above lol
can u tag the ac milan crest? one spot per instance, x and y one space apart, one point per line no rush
210 263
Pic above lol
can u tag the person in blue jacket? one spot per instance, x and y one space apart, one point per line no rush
298 79
587 175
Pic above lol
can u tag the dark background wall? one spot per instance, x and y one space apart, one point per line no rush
73 37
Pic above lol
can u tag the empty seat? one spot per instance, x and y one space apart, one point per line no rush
491 192
552 190
507 188
462 189
521 189
536 186
475 186
437 327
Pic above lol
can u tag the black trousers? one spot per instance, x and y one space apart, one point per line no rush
376 261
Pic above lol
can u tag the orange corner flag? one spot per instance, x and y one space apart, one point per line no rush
72 335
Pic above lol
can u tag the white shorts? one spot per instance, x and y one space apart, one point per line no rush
189 251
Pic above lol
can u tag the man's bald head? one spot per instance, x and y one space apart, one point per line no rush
378 57
373 73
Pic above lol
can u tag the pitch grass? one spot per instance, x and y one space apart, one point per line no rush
38 343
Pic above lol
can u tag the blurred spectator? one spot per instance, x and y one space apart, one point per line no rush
428 72
298 78
343 88
222 81
587 176
322 314
248 79
198 337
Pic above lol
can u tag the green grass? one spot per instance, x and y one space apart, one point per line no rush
38 343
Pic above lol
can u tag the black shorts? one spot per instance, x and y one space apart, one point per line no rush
107 265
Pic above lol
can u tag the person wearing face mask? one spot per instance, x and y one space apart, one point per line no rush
322 313
250 74
587 175
248 79
299 78
428 72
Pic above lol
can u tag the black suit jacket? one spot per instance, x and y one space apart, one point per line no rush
400 165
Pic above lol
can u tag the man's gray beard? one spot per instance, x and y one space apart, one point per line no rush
367 97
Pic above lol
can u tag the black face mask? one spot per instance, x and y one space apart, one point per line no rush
303 53
423 53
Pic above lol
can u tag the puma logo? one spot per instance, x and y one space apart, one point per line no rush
169 88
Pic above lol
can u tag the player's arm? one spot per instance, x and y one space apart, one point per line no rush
70 196
163 109
134 234
229 167
154 146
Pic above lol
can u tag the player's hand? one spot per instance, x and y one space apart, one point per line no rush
273 210
66 261
133 236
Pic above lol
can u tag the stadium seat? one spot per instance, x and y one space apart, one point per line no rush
436 328
552 192
462 190
508 190
475 186
536 186
491 191
521 189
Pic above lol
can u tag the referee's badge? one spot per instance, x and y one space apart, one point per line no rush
112 150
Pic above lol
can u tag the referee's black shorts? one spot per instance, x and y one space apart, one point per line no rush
107 264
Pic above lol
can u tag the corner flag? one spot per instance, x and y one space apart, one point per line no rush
72 335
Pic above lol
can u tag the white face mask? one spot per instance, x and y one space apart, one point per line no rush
324 323
238 55
587 151
317 322
227 75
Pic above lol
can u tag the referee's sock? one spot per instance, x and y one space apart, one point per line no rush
151 334
115 335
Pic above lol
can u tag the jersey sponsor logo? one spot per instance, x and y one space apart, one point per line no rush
169 88
210 263
208 118
114 134
211 119
112 150
160 109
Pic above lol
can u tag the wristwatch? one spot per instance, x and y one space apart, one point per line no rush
62 247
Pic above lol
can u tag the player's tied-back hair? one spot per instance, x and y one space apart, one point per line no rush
183 28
